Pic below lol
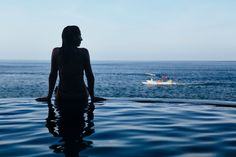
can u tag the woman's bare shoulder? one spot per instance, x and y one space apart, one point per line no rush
84 50
55 51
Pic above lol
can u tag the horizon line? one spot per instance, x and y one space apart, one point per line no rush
106 60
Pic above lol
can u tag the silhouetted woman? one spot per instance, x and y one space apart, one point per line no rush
72 94
71 62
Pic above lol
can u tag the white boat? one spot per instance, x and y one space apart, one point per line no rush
159 82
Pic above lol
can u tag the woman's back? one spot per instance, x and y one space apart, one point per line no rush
71 65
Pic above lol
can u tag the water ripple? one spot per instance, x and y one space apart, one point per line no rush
122 127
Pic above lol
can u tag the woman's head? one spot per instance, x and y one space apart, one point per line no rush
71 36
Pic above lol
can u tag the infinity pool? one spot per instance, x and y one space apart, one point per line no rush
119 127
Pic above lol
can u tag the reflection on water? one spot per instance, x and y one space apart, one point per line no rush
72 121
124 127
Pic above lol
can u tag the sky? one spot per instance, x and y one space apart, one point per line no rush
135 30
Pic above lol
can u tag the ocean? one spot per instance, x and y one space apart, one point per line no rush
195 80
194 117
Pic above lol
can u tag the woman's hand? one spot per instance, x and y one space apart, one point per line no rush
97 99
43 99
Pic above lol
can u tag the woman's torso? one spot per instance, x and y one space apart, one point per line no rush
71 66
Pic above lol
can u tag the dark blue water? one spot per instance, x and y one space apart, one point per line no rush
119 127
195 117
195 80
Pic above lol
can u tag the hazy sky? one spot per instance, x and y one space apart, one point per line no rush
121 29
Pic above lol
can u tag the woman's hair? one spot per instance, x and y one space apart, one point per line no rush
70 35
71 38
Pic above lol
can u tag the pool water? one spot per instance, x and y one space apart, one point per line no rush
119 127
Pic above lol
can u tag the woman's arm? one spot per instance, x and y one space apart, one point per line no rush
52 76
89 75
53 73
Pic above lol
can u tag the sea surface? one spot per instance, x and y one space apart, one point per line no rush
194 117
195 80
